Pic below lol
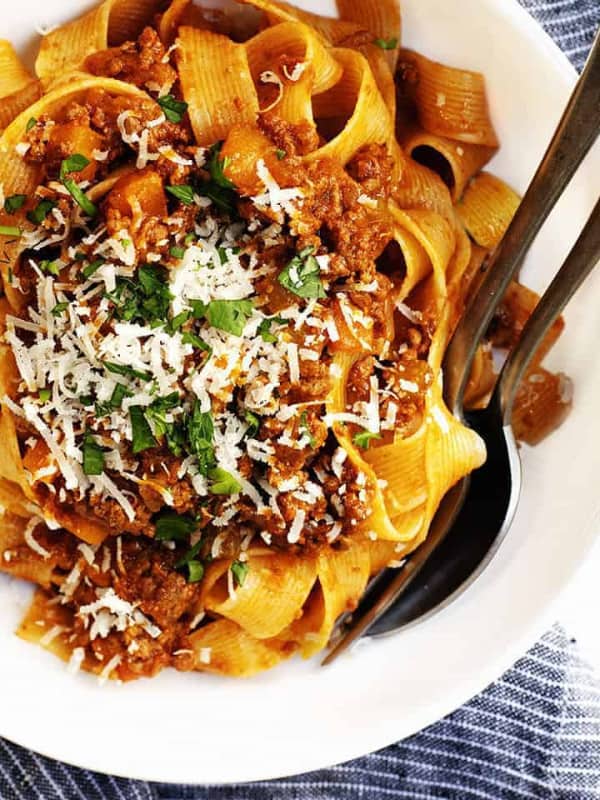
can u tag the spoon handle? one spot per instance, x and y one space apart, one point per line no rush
575 134
579 263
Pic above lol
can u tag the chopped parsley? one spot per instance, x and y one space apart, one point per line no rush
253 423
200 435
157 410
14 203
189 337
364 438
386 44
177 321
145 299
194 567
239 570
142 437
218 188
183 192
129 372
59 308
40 212
177 252
281 154
9 230
44 395
93 455
305 429
31 123
302 276
223 482
226 315
264 329
92 267
76 163
115 402
174 527
50 267
173 109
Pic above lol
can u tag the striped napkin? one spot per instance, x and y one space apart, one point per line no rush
535 733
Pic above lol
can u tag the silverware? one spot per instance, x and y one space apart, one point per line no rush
465 533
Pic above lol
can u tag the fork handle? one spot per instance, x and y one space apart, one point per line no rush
582 259
575 134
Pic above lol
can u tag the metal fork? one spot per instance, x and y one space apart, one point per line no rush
452 556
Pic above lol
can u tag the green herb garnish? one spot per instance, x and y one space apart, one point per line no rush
31 122
173 109
253 423
305 429
122 369
50 267
92 267
364 438
386 44
264 329
219 188
93 455
189 337
223 482
302 276
174 527
14 203
59 308
226 315
40 212
76 163
145 299
115 402
44 395
281 154
194 567
200 436
177 252
156 411
239 570
10 230
141 433
183 192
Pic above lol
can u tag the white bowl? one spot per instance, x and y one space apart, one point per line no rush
202 729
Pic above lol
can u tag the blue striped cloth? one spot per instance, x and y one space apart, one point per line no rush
535 733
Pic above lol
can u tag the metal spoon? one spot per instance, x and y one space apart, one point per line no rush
444 562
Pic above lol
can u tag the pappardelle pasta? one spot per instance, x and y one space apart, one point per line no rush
233 248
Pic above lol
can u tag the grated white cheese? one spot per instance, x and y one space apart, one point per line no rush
31 542
295 530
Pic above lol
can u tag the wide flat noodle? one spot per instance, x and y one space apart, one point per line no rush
18 88
216 83
271 597
486 209
449 102
65 49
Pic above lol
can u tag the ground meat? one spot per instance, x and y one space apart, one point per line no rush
140 63
163 469
372 167
333 218
150 579
294 139
112 514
